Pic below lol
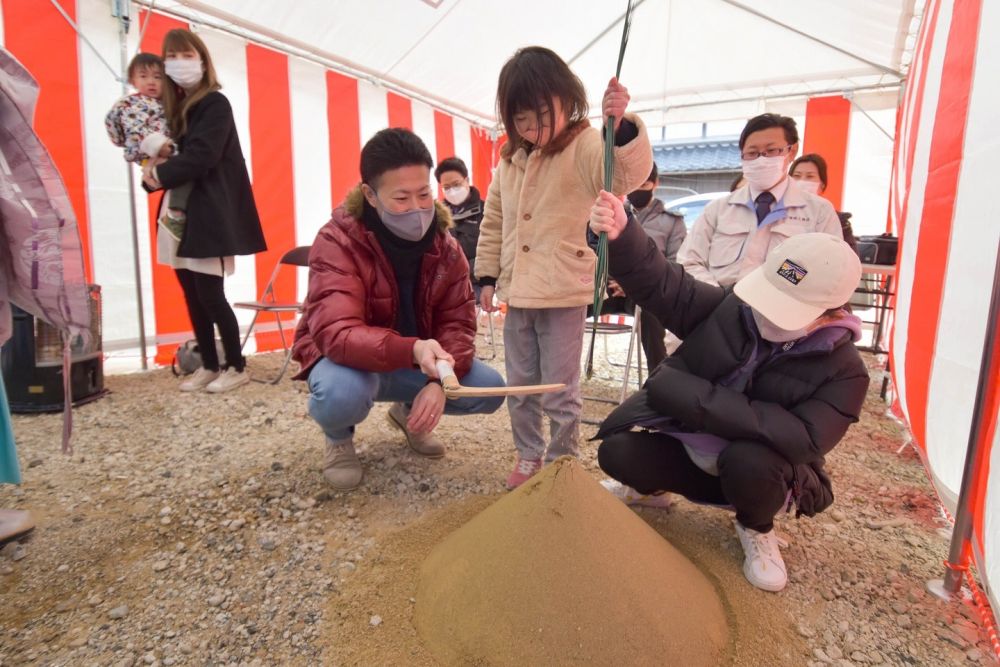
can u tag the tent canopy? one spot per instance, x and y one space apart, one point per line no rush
686 59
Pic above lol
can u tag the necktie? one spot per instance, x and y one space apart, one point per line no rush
764 201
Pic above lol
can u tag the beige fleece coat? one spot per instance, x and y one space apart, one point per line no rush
533 237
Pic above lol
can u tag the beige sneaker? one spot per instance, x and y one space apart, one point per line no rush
200 379
425 444
228 379
341 467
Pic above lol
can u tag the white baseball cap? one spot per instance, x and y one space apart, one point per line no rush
801 279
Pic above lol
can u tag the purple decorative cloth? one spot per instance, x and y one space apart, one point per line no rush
41 259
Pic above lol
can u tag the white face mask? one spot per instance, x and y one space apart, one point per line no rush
812 187
456 196
764 172
185 73
775 334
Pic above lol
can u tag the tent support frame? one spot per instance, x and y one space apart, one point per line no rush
120 10
959 553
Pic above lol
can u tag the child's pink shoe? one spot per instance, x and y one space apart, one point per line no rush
523 471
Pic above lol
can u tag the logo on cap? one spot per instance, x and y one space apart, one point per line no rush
792 272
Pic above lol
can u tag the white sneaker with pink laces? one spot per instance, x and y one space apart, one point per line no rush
763 566
630 496
523 471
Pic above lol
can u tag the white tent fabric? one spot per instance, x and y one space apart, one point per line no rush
945 207
682 54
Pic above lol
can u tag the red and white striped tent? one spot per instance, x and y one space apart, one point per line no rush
311 80
947 216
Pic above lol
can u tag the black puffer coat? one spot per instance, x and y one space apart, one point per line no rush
799 403
221 213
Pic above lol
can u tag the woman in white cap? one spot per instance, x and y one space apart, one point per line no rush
765 384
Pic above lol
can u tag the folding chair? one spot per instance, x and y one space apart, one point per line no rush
296 257
612 324
490 335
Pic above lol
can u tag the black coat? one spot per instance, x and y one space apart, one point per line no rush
799 403
466 219
221 213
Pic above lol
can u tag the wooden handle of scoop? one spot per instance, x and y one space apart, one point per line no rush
447 375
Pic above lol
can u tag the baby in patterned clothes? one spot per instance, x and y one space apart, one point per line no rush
137 123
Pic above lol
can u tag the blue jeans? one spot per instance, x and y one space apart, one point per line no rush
341 397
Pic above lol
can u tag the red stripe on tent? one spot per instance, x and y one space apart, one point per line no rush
482 160
918 100
915 95
169 306
344 121
46 44
444 135
400 111
828 123
939 207
271 157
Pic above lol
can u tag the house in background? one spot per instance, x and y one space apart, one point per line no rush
696 166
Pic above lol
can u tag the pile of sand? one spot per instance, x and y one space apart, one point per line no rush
561 572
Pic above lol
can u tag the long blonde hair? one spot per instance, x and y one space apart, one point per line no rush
177 102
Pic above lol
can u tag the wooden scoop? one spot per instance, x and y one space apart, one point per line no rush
452 389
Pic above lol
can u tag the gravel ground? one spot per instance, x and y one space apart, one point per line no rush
193 529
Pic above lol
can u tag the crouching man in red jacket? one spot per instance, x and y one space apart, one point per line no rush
389 296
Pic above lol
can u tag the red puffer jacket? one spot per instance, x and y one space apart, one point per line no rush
353 298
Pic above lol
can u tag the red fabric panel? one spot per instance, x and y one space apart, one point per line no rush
444 135
39 37
400 111
939 207
344 120
828 123
273 178
914 96
168 299
482 160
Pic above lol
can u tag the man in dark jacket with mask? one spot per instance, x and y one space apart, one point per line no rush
389 296
766 382
466 207
667 232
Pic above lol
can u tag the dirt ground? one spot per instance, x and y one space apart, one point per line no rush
193 529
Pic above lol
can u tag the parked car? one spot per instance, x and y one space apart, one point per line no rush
691 207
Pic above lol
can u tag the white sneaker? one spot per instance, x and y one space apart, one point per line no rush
630 496
763 566
228 379
199 380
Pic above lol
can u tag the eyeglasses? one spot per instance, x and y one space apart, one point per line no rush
770 152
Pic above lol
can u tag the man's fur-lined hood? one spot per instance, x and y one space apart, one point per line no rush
354 206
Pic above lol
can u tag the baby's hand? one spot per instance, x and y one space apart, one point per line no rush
608 215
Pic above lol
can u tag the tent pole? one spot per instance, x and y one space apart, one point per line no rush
120 10
989 377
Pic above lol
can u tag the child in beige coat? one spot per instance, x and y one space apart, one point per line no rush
533 251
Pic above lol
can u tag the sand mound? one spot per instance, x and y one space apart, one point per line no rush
561 572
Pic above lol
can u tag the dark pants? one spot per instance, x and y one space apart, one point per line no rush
651 330
752 478
208 308
652 335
